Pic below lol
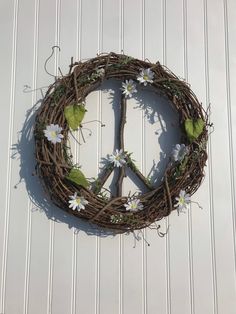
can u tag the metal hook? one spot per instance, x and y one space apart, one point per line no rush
45 64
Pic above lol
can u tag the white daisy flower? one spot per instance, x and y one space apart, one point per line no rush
117 158
128 88
53 133
183 201
145 76
77 202
179 152
133 205
100 72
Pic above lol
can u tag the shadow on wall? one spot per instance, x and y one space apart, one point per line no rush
156 109
40 200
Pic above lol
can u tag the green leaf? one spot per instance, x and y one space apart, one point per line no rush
77 177
74 115
194 128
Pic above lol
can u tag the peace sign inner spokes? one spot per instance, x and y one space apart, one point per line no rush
121 152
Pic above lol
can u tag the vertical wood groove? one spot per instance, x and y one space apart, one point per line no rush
212 226
9 160
27 258
99 145
97 277
29 218
75 234
121 236
167 239
230 128
121 22
50 267
121 311
143 165
74 272
79 27
189 223
52 222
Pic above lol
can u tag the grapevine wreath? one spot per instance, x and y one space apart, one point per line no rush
63 109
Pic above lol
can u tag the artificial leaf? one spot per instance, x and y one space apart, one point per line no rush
74 115
77 177
194 128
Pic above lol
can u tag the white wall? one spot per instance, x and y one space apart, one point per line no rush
53 265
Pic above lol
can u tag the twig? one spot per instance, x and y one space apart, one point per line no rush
120 181
114 200
141 177
108 60
168 194
75 85
123 109
55 162
51 163
102 179
71 64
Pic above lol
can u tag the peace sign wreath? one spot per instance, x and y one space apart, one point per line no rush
63 109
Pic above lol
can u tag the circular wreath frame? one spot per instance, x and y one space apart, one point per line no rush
54 162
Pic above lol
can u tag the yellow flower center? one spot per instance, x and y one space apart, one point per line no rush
133 205
53 134
145 77
129 88
181 200
118 158
78 200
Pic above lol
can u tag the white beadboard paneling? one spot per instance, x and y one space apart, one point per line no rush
132 31
69 15
178 234
7 33
42 234
89 35
86 289
221 162
153 22
230 29
110 25
19 210
63 265
62 269
200 219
